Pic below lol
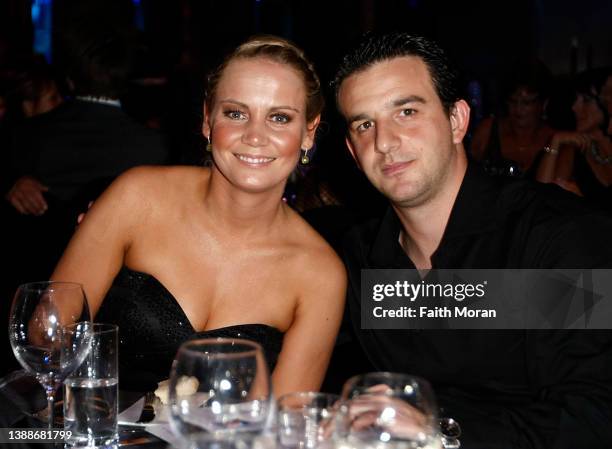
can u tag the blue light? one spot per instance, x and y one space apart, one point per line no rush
41 23
139 21
35 12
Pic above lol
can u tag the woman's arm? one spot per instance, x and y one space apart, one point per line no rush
558 162
96 251
308 344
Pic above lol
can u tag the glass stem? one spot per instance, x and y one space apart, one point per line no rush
50 390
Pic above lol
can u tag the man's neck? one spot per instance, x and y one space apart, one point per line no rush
423 226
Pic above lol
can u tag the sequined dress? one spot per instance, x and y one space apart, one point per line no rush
152 326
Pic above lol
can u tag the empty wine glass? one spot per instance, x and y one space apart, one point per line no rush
219 386
49 331
383 410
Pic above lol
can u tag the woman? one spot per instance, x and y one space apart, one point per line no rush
510 144
581 160
214 251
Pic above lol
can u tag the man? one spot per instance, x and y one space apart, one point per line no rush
508 389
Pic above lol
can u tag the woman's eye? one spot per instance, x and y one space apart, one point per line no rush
281 118
234 115
363 126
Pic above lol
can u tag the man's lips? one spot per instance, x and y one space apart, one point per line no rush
395 168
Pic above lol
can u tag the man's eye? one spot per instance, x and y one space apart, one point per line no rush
364 126
407 112
234 115
281 118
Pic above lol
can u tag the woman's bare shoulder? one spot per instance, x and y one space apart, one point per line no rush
157 183
162 177
314 251
140 191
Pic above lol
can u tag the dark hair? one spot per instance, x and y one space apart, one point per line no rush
589 84
102 65
279 50
531 74
374 48
36 77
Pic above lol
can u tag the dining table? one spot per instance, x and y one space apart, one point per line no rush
22 397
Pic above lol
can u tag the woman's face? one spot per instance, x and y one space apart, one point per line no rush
258 123
587 113
525 107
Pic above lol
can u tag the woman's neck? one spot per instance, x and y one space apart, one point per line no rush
239 210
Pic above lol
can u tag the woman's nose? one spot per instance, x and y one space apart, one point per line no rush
255 134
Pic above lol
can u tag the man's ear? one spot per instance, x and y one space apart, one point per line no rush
311 130
460 120
351 149
206 126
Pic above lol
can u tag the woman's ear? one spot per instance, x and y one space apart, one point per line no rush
206 125
311 129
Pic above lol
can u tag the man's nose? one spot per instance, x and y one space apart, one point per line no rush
387 139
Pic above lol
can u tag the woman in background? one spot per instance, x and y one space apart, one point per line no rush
581 160
510 144
209 252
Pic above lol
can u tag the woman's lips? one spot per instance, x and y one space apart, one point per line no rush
254 160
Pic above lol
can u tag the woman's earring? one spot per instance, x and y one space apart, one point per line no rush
209 145
305 160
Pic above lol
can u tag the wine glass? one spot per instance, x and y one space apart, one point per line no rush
219 386
389 410
49 331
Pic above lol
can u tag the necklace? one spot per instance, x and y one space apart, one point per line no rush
603 160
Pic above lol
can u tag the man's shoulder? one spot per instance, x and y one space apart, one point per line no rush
561 229
547 204
365 234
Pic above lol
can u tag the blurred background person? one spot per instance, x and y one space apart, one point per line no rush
509 144
581 160
606 97
64 153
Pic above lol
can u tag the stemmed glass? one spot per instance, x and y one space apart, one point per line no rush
389 410
49 331
219 386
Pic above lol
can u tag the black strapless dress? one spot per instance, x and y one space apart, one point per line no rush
152 326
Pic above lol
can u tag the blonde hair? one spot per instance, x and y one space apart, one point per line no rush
283 52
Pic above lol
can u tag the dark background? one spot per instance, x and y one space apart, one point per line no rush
185 38
485 36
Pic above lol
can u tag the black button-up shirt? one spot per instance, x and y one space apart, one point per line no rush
507 389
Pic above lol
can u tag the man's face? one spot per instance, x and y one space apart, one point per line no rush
399 132
606 97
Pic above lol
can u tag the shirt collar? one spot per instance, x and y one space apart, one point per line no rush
474 212
100 100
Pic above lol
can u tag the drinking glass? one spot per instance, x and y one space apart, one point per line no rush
91 392
305 419
219 386
49 331
389 410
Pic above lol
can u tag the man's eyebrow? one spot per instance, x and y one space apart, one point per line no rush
392 104
243 105
356 118
406 100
